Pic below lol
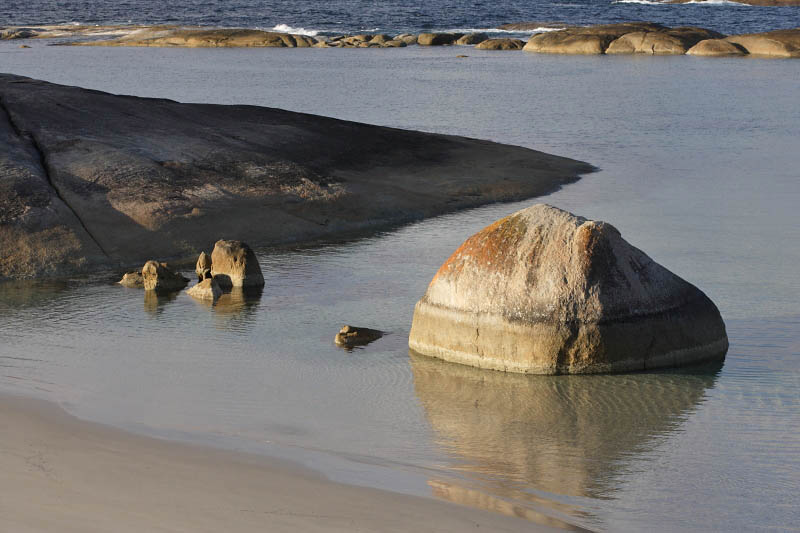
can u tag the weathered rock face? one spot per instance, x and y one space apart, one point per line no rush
208 289
203 265
350 336
233 264
472 38
407 38
501 44
90 179
159 277
585 40
134 280
674 41
716 48
204 38
544 291
437 39
779 43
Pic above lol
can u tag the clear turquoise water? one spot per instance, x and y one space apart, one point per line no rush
699 168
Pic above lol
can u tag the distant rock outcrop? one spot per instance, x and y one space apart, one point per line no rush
585 40
544 291
472 38
670 41
779 43
234 264
208 38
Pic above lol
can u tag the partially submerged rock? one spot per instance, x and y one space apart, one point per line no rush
585 40
543 291
133 280
210 38
501 44
437 39
472 38
207 289
159 277
779 43
203 265
350 336
669 41
234 264
716 48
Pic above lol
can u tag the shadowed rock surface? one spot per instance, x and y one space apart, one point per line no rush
543 291
472 38
501 44
93 179
438 39
208 289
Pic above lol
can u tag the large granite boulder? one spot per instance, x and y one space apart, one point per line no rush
501 44
159 277
234 264
716 48
585 40
779 43
472 38
672 41
543 291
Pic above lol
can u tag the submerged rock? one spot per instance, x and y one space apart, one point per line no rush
159 277
133 280
208 289
350 336
203 265
234 264
501 44
546 292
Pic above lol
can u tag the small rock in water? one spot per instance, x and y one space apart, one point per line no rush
208 289
159 277
234 264
350 336
203 264
133 280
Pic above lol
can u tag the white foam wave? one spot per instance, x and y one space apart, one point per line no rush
285 28
498 30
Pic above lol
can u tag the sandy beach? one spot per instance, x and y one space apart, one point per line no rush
64 474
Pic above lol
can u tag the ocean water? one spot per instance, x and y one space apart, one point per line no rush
392 16
699 167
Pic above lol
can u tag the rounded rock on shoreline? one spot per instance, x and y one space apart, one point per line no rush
501 44
437 39
778 43
672 41
543 291
407 38
234 264
585 40
208 289
350 336
716 48
472 38
159 277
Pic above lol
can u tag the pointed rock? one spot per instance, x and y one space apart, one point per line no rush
543 291
234 264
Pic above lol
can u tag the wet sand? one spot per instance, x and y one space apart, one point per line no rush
64 474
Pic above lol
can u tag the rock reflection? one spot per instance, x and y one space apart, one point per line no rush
19 294
238 307
156 301
564 435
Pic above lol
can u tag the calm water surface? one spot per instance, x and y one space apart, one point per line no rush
699 166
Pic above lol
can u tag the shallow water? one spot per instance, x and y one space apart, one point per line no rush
699 168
